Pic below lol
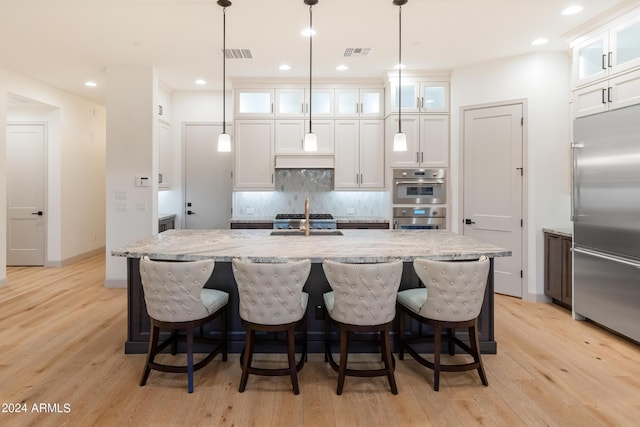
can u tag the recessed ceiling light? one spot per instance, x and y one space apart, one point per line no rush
342 68
90 84
308 32
572 10
284 67
200 82
539 41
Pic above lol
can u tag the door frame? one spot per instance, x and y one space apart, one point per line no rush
525 180
45 184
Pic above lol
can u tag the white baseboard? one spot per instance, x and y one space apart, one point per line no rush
115 283
3 282
74 259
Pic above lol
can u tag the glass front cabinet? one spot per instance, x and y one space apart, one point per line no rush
609 52
420 96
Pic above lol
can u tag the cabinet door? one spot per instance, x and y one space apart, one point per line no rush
410 97
347 157
625 90
254 103
434 140
324 130
625 46
567 271
164 106
254 144
411 128
363 103
371 103
553 259
290 103
590 59
289 136
164 156
321 103
347 103
434 97
590 99
372 154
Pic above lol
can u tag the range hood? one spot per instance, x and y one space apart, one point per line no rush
305 161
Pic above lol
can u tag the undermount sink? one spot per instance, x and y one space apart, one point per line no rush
288 232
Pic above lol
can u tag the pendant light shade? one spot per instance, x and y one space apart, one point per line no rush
400 142
224 139
310 142
310 139
399 139
224 143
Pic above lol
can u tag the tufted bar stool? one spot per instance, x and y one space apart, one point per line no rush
271 300
451 299
363 300
176 300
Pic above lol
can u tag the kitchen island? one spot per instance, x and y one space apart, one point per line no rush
354 246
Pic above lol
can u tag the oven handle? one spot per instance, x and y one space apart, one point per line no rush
421 181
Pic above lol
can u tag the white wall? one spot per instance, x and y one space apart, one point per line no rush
543 80
76 146
132 150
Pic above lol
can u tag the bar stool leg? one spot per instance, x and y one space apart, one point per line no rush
291 351
246 364
190 359
344 354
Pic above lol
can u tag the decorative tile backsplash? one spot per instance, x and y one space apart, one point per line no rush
293 186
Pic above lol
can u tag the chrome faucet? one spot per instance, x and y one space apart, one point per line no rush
307 227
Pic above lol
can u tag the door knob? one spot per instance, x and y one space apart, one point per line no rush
468 221
39 213
191 213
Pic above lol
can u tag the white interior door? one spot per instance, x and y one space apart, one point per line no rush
208 183
492 187
25 194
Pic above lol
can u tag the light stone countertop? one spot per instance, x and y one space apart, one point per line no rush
563 231
354 246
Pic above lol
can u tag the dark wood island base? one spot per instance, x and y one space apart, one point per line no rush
222 278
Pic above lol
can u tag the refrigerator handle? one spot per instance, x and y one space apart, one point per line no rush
606 257
574 189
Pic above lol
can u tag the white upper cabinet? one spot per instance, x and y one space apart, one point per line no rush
359 103
609 52
359 158
427 141
164 106
290 136
294 103
256 103
420 96
254 155
616 92
164 156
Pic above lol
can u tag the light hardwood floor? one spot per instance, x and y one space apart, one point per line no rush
62 337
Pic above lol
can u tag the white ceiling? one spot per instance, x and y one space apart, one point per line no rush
67 42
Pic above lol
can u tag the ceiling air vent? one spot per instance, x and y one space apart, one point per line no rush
239 54
352 52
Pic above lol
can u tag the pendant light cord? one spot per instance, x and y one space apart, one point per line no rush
224 69
399 69
310 62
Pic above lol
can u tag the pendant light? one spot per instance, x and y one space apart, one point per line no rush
399 139
310 139
224 139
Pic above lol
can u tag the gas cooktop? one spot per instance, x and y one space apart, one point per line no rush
301 216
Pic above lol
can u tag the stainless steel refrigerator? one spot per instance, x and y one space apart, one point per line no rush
606 219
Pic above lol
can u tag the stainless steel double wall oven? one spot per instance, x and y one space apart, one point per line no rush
419 198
